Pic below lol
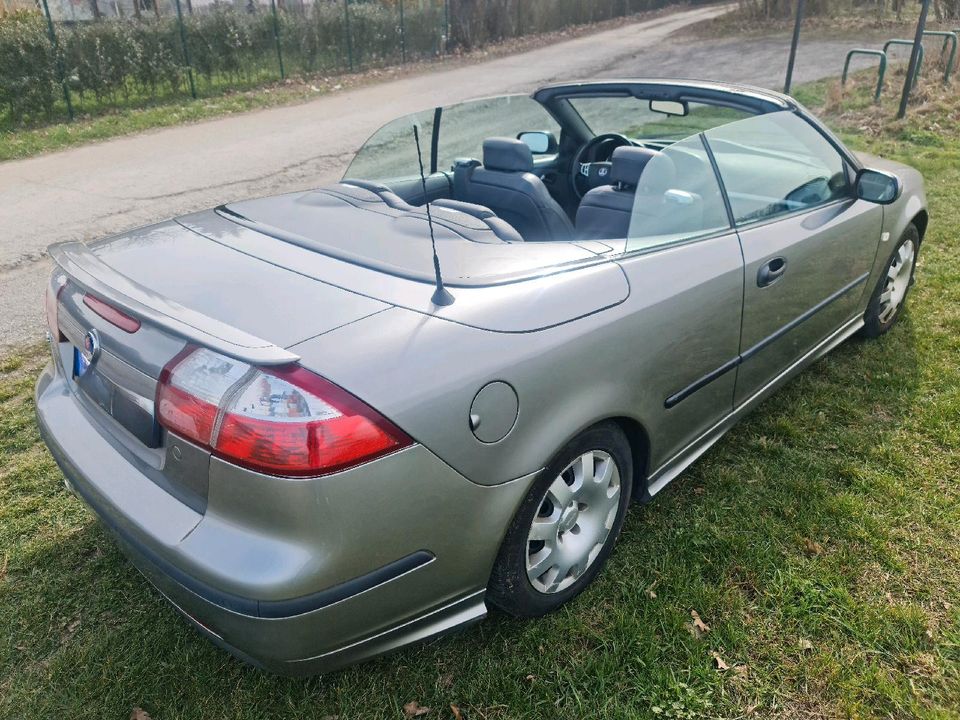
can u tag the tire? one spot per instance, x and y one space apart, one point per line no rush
890 295
580 533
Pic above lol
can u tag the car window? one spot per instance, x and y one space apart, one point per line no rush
390 153
776 164
632 117
677 198
465 126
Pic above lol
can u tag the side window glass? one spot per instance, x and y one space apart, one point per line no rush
391 153
465 126
677 198
776 164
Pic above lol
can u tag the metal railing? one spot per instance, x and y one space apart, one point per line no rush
880 74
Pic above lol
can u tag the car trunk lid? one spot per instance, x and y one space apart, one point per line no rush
176 288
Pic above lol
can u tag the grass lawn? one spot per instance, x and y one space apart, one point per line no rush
819 540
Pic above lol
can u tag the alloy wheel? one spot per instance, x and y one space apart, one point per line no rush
573 522
899 274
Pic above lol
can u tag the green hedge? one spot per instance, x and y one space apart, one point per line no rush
127 62
27 67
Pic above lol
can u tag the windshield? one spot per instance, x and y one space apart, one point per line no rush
633 118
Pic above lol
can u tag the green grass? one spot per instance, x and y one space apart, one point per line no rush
820 540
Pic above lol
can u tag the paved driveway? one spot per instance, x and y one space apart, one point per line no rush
92 191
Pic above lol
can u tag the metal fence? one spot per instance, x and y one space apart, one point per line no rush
90 56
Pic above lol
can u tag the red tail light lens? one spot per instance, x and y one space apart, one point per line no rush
111 314
281 421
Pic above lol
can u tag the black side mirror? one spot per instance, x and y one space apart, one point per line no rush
877 186
540 142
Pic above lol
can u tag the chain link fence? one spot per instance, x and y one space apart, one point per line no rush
62 57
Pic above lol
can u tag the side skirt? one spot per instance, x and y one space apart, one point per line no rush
682 460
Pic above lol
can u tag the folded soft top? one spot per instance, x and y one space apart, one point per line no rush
367 224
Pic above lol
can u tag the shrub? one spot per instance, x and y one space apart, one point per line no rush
28 79
114 61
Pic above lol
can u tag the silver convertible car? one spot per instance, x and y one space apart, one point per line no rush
330 423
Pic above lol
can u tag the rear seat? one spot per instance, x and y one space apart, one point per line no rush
471 222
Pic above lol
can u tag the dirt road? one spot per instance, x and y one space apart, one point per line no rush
92 191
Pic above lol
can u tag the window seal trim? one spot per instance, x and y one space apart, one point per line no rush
761 222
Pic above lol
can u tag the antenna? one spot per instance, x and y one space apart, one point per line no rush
441 296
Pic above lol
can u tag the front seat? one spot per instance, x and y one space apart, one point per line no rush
506 184
605 211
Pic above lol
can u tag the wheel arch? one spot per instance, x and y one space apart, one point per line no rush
920 220
639 449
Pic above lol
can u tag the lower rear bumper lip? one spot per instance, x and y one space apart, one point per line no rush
251 607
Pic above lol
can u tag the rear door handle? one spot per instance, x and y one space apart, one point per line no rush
771 271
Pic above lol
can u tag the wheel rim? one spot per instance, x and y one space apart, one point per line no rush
898 281
573 521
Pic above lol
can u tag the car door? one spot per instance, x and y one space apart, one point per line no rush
808 243
680 341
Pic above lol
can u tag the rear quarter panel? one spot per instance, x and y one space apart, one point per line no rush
680 321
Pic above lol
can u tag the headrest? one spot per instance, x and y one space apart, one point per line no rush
507 155
658 175
628 162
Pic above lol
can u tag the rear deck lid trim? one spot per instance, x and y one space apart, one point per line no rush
88 271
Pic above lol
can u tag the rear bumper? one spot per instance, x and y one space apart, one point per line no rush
295 576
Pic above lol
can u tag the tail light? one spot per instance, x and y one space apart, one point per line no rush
111 314
51 302
281 421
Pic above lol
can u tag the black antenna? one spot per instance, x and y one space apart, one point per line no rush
441 296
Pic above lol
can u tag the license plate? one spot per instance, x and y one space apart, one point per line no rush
80 363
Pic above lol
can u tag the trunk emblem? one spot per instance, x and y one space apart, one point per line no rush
91 346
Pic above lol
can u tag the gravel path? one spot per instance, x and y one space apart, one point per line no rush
95 190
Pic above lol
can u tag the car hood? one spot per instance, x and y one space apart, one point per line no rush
906 173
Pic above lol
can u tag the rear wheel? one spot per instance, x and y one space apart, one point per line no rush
890 295
566 526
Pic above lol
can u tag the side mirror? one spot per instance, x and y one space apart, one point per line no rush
670 107
877 186
540 142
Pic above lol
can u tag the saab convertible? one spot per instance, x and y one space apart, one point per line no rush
331 423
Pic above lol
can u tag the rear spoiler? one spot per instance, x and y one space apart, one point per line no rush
91 273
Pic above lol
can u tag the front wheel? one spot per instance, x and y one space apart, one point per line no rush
890 295
567 525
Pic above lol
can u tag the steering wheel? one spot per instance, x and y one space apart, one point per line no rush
591 165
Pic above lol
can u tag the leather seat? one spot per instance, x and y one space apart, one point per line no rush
605 212
506 184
